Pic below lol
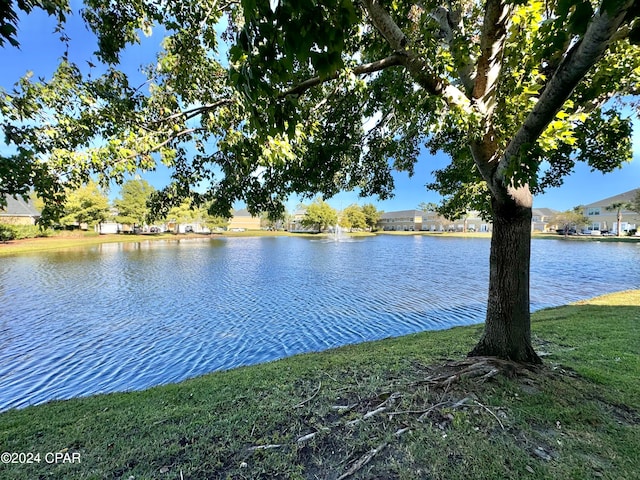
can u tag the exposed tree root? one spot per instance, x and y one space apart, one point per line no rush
379 409
367 457
483 368
445 392
527 355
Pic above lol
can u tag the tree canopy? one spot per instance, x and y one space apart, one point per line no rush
132 205
320 214
618 207
570 219
371 215
9 15
87 204
353 217
328 96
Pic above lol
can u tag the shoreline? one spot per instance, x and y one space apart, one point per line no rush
77 239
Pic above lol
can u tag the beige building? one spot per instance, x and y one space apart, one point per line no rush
295 225
471 222
414 220
243 220
543 220
603 217
401 221
19 212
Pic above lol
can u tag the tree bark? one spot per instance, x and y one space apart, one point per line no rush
507 331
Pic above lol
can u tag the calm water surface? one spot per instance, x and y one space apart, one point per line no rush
128 316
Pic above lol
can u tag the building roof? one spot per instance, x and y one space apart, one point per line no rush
620 198
243 212
402 213
544 212
17 207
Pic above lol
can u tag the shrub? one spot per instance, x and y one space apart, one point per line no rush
7 232
30 231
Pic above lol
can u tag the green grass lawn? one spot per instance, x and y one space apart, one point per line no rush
410 408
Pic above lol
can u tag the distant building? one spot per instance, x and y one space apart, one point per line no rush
542 220
433 222
243 220
401 221
190 226
106 228
19 212
603 220
418 220
471 222
295 222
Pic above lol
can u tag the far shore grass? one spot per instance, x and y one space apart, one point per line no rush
411 407
77 239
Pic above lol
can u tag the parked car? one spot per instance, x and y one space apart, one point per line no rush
570 231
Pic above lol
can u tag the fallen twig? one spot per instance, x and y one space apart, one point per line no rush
265 447
366 458
380 408
344 408
311 397
366 416
493 414
461 403
431 409
306 437
309 436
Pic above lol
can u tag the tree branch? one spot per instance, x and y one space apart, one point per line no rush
493 38
492 43
364 69
420 71
195 111
158 146
174 136
579 59
451 23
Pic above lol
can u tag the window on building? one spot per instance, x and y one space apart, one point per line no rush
593 211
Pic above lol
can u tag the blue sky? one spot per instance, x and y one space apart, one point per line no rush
40 51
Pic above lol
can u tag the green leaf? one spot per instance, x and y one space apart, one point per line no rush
634 35
580 18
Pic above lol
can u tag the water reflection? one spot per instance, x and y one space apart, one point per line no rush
129 316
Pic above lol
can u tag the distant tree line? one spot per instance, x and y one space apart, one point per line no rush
320 215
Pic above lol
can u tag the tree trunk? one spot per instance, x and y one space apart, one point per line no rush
507 331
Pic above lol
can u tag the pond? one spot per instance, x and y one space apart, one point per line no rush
119 317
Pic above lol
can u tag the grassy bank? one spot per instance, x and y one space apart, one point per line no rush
410 407
71 240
